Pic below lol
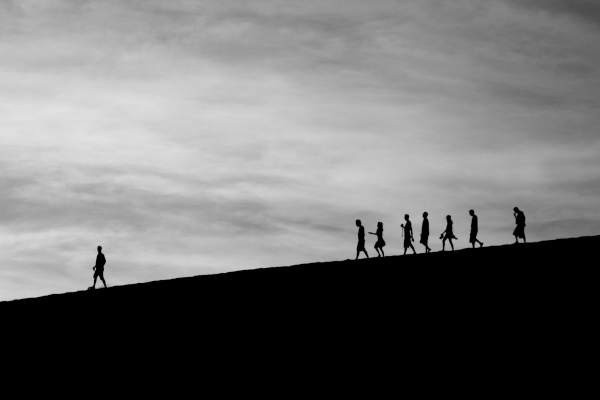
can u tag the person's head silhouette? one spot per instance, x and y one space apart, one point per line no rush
425 214
358 223
448 218
406 217
471 212
516 209
380 224
99 249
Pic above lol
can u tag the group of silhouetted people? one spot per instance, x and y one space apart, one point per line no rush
446 236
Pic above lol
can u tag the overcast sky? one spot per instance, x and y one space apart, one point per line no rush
192 137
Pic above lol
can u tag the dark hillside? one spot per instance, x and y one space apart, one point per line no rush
494 316
516 282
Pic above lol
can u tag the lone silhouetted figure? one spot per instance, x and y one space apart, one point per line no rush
99 268
361 239
380 244
519 232
448 234
425 232
474 229
408 235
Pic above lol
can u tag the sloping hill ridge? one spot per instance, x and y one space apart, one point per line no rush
498 276
499 317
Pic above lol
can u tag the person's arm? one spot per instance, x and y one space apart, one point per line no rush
371 233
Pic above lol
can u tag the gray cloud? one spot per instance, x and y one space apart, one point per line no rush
584 10
194 137
568 228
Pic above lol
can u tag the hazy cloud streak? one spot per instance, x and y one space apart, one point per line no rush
191 137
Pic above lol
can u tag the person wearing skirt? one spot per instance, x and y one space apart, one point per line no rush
380 243
448 234
425 232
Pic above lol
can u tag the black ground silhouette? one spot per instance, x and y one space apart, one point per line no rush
496 316
526 280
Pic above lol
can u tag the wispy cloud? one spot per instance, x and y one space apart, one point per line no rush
192 137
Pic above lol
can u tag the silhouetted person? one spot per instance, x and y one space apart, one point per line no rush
361 240
379 245
408 235
448 234
99 268
519 232
474 229
425 232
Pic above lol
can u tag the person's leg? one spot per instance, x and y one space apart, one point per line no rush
413 248
102 279
451 244
357 254
444 244
382 253
480 243
366 254
95 278
524 239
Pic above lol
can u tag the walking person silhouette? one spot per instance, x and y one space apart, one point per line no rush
519 232
425 232
408 235
99 268
474 229
361 240
380 242
448 234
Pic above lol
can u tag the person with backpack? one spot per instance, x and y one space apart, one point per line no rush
519 232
